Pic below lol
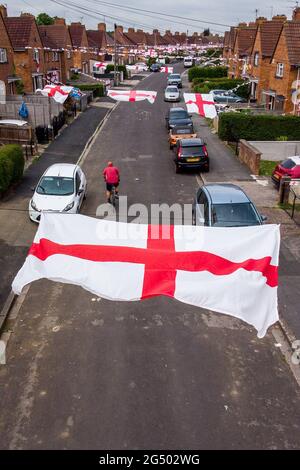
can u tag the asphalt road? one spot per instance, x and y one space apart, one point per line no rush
87 373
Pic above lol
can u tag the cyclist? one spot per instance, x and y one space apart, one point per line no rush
111 176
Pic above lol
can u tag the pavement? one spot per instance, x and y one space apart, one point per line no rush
86 373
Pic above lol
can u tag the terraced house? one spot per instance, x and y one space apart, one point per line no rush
240 53
7 71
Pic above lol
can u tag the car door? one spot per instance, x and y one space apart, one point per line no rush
202 209
79 188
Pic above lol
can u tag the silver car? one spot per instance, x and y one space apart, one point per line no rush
172 93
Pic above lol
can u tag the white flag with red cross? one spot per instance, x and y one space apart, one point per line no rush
167 69
202 104
58 92
233 271
132 95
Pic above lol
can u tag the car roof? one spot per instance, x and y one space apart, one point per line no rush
172 86
296 159
61 169
172 75
181 128
191 142
226 193
177 109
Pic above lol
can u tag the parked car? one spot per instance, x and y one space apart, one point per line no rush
226 97
178 117
188 62
62 188
289 167
155 68
141 67
172 93
181 132
175 79
224 205
191 153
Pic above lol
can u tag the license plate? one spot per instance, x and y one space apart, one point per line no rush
276 176
192 159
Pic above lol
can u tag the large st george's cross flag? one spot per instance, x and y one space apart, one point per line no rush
227 270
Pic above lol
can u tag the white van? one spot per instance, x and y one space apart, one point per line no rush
188 62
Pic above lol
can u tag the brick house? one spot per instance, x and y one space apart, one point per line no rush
124 44
7 70
266 38
80 46
229 41
285 68
58 51
27 49
102 41
240 56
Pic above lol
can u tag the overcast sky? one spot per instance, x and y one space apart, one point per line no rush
225 12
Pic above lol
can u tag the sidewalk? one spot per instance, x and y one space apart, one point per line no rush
16 230
225 167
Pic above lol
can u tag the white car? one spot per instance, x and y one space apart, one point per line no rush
172 93
62 188
141 66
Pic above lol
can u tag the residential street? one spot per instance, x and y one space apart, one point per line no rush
86 373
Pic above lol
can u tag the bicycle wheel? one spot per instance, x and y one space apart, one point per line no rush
113 197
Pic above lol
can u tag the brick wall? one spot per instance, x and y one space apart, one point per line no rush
6 68
250 156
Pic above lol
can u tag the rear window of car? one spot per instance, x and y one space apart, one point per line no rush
241 214
174 76
172 89
288 164
193 150
179 115
182 131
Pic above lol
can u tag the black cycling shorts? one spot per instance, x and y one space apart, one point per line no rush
109 186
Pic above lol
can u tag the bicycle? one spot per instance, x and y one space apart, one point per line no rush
113 196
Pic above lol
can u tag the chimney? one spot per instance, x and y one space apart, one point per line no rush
195 34
183 34
59 21
168 31
283 18
155 31
27 14
76 23
139 31
101 27
3 11
242 25
177 33
131 30
120 28
260 20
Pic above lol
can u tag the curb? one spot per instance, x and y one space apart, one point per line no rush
6 310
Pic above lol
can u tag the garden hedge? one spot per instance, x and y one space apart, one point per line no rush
120 68
202 85
11 165
207 72
96 88
235 126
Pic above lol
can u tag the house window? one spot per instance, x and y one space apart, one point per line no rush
279 70
256 59
37 82
54 56
36 55
3 55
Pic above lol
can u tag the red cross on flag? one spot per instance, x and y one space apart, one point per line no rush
132 95
58 92
167 69
233 271
101 66
202 104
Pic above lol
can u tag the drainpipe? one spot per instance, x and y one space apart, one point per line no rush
298 72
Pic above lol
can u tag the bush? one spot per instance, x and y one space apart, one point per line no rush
235 126
120 68
207 72
96 88
11 165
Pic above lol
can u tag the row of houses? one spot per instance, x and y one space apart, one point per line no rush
267 53
32 55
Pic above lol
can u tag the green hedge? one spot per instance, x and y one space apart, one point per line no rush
201 85
120 68
11 165
96 88
207 72
234 126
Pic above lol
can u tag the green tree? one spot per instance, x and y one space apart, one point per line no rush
44 18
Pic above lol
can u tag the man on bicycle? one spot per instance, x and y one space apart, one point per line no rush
111 176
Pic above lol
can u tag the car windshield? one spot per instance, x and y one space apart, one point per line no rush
185 130
55 186
235 215
288 164
179 115
172 89
193 150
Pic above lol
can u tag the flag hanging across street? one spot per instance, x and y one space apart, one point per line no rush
167 69
232 271
132 95
202 104
58 92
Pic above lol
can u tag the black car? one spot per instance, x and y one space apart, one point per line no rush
191 153
178 117
155 68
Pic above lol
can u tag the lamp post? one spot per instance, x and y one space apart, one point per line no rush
115 55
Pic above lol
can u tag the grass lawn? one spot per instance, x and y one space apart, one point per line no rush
267 167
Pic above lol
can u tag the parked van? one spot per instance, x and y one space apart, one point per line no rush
188 62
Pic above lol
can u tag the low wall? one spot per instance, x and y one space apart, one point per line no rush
249 155
276 151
